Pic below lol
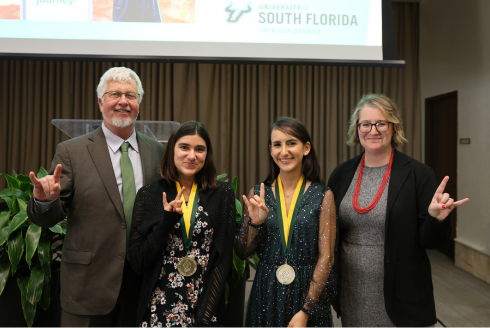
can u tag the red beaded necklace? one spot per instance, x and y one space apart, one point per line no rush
355 199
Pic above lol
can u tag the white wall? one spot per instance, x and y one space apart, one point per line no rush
455 56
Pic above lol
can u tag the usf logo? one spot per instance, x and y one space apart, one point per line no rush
234 15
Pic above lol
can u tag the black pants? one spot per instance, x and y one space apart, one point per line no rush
124 312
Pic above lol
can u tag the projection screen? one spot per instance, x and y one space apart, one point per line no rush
284 31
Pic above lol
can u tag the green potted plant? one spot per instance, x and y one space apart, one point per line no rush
27 251
240 272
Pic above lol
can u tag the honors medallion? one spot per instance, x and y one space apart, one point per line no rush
187 266
285 274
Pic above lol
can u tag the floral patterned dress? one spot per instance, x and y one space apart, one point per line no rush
174 301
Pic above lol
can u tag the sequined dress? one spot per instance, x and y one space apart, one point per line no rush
311 256
362 253
174 301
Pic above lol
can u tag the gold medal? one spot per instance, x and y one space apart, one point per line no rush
187 266
285 274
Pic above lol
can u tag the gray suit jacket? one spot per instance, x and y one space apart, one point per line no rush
94 249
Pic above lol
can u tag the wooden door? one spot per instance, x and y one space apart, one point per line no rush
441 142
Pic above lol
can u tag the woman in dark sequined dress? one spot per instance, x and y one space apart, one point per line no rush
290 222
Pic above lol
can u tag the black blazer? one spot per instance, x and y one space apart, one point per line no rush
149 236
409 231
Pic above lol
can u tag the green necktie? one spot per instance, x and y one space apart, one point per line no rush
129 188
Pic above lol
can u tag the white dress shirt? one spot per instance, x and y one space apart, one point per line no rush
114 143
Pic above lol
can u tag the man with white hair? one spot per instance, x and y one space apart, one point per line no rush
93 182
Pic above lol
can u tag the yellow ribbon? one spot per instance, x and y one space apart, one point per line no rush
187 209
286 218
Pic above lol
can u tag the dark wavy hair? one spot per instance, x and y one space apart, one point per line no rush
310 167
206 177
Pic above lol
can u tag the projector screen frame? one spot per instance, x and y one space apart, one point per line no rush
208 60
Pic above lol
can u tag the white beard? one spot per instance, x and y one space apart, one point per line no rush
120 123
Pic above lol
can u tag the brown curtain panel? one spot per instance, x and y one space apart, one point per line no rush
236 103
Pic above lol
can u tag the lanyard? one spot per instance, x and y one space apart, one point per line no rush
188 213
286 222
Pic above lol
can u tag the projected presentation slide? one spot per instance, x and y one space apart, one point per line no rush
10 9
169 11
309 29
162 11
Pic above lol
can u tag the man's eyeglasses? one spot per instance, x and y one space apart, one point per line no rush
380 126
130 96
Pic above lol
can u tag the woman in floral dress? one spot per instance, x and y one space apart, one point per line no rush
182 236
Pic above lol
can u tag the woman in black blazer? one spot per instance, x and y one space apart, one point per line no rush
390 211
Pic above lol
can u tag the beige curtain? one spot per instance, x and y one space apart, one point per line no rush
237 103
